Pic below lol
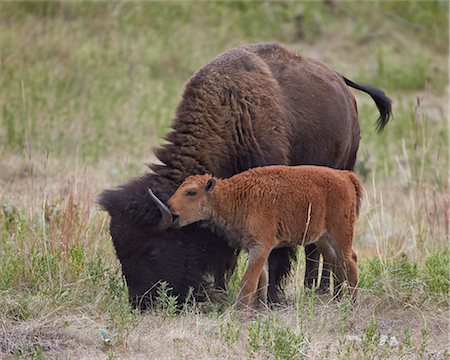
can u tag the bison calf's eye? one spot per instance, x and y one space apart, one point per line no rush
191 193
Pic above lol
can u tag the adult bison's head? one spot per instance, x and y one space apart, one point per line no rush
151 253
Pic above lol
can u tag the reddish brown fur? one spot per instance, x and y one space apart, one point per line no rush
273 206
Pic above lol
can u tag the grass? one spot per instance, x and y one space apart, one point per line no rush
88 88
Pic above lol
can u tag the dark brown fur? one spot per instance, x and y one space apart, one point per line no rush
246 103
250 106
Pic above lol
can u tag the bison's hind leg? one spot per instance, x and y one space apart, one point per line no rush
312 260
330 256
337 252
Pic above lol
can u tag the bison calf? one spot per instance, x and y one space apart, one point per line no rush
274 206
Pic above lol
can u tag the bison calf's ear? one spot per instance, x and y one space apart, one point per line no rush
210 185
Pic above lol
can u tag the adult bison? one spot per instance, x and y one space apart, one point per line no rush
251 106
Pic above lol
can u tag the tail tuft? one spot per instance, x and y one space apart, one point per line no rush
384 104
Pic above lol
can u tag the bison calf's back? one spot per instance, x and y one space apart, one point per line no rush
274 206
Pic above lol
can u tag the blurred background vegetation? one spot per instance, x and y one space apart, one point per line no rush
87 89
102 80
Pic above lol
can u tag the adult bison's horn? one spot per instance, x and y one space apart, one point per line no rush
166 215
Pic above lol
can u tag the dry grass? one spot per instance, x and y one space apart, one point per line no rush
86 95
327 331
402 215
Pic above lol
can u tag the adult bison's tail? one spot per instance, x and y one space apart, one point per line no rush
381 100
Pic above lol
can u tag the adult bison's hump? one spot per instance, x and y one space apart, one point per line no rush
258 101
240 73
232 114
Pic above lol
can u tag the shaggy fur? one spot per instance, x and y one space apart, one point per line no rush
250 106
274 206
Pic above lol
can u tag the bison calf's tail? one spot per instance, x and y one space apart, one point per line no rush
358 189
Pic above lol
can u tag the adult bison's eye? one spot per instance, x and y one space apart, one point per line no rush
153 254
191 193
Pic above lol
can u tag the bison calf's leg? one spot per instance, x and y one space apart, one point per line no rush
262 286
332 257
342 261
346 270
352 273
257 258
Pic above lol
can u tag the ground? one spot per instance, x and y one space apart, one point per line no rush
89 89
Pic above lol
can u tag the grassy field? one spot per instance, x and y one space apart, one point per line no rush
87 89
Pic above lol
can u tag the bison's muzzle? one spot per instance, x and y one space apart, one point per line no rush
176 221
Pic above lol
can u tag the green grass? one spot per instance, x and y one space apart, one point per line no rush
402 277
88 88
116 78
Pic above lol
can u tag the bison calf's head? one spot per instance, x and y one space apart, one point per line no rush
190 203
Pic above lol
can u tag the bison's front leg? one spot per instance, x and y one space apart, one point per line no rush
279 267
225 265
312 257
262 287
257 258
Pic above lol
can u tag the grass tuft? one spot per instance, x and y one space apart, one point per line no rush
88 88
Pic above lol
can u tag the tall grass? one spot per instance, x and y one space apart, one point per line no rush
92 78
88 88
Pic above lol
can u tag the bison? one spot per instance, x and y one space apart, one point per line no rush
251 106
273 206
